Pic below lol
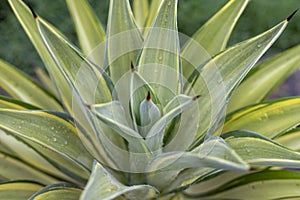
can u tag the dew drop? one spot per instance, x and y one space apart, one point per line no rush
169 3
52 128
54 139
66 142
259 45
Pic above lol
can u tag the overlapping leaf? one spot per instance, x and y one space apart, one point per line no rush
260 151
124 39
17 190
270 119
262 79
212 37
102 185
58 191
216 79
88 27
261 185
21 87
53 136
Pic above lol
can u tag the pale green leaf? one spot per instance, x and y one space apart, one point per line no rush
290 139
212 37
154 8
174 108
260 151
124 39
28 23
216 79
113 114
270 118
18 190
88 27
53 136
13 169
141 10
262 79
214 153
277 184
27 154
149 114
63 191
159 62
103 186
90 81
21 87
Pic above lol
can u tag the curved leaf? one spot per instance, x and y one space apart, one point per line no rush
217 79
27 154
290 139
124 39
159 62
104 186
154 8
18 190
270 119
262 79
9 103
13 169
149 114
113 114
277 184
212 37
63 191
21 87
45 79
26 19
213 153
175 107
260 151
139 88
53 136
141 10
88 27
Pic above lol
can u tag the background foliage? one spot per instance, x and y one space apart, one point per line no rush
259 15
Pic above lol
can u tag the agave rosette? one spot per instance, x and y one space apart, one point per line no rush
138 115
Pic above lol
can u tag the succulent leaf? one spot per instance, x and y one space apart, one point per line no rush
21 87
88 27
269 184
217 79
12 168
266 118
17 190
290 139
159 62
124 40
102 185
61 147
141 10
261 151
262 79
212 37
58 191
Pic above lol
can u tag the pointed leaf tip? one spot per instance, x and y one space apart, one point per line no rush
89 107
148 98
32 11
291 16
196 97
132 67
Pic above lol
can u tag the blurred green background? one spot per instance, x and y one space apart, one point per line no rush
259 16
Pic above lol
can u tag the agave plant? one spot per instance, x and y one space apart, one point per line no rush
143 112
